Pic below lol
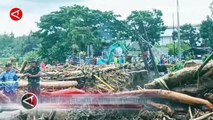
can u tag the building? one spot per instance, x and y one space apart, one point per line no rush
166 37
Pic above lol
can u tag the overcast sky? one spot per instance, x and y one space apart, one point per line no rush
191 11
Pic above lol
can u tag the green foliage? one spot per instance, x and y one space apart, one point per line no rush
147 24
71 29
7 45
3 61
30 43
206 30
189 33
174 35
32 55
178 66
17 46
184 47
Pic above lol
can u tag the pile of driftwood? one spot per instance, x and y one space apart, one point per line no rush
192 86
182 95
106 78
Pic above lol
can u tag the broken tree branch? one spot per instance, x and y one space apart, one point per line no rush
170 95
109 86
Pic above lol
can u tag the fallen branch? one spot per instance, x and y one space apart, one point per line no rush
23 66
190 112
170 95
204 116
109 86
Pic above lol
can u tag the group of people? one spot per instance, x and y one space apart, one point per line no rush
102 61
9 80
167 59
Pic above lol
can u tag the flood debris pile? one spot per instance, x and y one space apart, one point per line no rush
191 81
115 115
181 95
106 78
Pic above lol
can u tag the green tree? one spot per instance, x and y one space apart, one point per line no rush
6 40
7 45
149 24
206 30
31 43
184 47
189 34
71 29
146 25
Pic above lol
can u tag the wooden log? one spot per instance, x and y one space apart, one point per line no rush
68 91
184 76
170 95
23 66
52 84
193 89
77 72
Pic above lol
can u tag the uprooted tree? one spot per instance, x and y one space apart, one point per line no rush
146 26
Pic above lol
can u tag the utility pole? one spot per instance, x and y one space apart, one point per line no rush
173 34
178 27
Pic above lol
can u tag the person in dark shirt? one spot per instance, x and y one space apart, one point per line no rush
33 74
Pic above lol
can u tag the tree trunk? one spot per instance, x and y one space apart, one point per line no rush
153 62
142 52
52 84
170 95
182 77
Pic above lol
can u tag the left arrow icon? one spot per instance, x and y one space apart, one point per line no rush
16 14
29 100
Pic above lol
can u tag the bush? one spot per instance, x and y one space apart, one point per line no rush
184 47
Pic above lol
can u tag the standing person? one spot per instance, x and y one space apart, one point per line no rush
171 59
14 64
116 60
33 74
162 60
9 82
43 66
121 60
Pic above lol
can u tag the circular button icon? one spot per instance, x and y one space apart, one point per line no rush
29 100
16 14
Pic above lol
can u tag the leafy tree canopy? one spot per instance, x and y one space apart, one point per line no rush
71 29
149 24
206 30
189 34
